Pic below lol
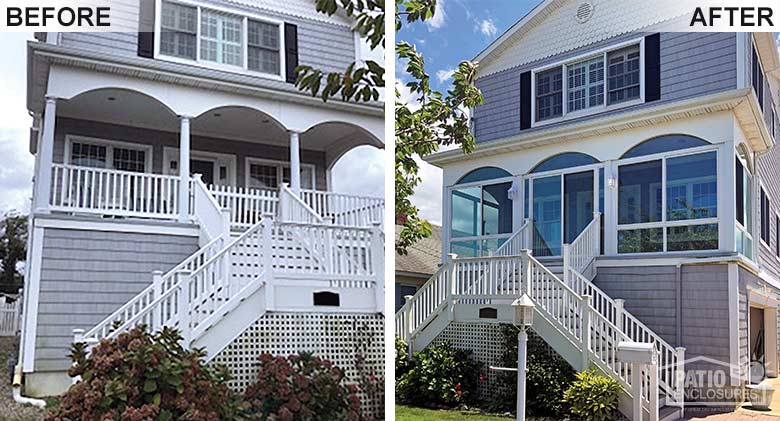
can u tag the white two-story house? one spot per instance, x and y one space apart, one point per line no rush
181 179
628 181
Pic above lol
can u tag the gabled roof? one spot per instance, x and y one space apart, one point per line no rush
423 257
299 8
556 26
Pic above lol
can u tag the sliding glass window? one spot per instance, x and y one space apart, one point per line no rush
481 217
668 202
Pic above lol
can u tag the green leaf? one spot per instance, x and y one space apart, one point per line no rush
150 386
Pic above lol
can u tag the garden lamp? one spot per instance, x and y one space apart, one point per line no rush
524 318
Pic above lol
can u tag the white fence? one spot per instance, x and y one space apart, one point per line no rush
9 317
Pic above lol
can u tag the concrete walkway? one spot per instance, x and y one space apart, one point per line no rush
745 412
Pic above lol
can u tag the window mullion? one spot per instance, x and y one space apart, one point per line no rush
245 39
564 90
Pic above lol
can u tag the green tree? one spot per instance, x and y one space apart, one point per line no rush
13 249
431 120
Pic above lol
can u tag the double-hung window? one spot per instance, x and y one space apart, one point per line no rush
179 30
109 155
222 39
264 174
549 87
609 78
623 80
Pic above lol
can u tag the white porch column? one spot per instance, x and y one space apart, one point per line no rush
45 157
184 170
295 163
726 193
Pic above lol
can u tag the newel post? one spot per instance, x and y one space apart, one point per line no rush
679 380
268 261
183 306
408 317
378 263
525 267
452 287
284 205
157 287
585 329
619 310
566 263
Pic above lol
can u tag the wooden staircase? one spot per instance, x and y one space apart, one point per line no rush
575 317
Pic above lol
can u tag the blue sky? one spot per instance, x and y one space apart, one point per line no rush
459 31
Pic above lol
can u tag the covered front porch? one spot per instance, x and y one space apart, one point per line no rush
123 153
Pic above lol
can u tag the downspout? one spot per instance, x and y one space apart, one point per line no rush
17 390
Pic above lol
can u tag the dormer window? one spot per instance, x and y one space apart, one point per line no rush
596 81
220 39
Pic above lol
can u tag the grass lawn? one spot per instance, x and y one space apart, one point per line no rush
408 413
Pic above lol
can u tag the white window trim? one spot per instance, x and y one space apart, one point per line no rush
218 66
219 159
777 235
110 145
279 169
577 59
664 223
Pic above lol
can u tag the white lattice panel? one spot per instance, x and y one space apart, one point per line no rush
331 336
486 344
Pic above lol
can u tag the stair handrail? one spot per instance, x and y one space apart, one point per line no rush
584 249
147 295
577 256
293 209
213 219
183 298
517 242
429 300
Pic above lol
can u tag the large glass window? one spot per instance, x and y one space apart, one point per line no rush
221 38
743 200
687 184
268 175
547 216
106 154
564 160
666 143
765 229
481 215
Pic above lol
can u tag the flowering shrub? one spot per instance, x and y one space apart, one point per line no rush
142 376
439 375
301 387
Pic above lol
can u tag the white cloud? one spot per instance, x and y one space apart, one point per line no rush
17 170
444 74
427 195
439 17
486 27
360 171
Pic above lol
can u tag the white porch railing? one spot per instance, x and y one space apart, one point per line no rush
247 206
9 317
578 255
293 209
344 209
213 219
519 241
111 192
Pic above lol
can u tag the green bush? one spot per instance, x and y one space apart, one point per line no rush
143 376
439 375
593 396
548 376
402 363
301 387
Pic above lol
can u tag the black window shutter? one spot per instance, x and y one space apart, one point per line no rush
146 28
652 67
291 51
740 194
525 100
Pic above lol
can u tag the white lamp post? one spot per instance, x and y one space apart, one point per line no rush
524 318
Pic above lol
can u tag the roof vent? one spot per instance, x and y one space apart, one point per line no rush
584 12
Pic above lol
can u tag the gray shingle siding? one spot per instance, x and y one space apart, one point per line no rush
651 295
692 64
86 275
161 139
768 169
